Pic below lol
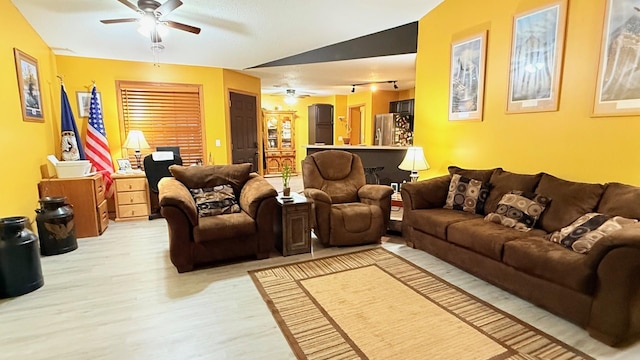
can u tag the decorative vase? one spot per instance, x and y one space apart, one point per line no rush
20 269
346 140
56 227
286 191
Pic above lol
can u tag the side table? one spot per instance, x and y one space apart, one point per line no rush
294 231
131 196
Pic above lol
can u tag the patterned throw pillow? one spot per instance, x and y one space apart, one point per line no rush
519 210
589 228
215 200
466 194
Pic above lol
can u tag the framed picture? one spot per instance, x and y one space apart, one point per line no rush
536 59
124 165
84 102
466 77
618 84
29 86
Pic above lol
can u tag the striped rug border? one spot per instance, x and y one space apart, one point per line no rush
489 320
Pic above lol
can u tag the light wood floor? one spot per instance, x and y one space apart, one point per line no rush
118 297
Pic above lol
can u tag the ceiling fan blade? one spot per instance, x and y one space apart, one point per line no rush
181 26
129 5
167 7
116 21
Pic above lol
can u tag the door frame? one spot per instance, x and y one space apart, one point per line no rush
363 109
259 121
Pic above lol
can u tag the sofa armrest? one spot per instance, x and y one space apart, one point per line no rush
172 192
374 193
629 236
254 191
426 194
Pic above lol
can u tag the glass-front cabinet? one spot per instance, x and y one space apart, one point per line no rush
279 144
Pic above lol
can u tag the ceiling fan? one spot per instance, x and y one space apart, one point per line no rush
151 21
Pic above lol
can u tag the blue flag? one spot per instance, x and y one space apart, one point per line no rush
70 140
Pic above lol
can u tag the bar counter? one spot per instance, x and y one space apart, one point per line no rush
373 156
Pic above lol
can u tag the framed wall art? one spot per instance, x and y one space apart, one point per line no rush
466 77
84 102
29 86
618 84
536 58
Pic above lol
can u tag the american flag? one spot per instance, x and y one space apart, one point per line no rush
97 146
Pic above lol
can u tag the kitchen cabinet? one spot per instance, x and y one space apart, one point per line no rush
321 124
86 196
279 141
402 106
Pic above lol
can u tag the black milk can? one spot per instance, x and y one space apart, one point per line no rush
20 270
56 228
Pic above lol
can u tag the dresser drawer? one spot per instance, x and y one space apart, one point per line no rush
98 184
131 184
132 197
103 216
135 210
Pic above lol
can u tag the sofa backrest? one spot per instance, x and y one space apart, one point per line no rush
194 177
503 182
620 200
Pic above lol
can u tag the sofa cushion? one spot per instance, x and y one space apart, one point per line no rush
215 200
482 175
466 194
519 210
570 201
583 233
620 200
503 182
194 177
538 257
483 237
435 221
227 226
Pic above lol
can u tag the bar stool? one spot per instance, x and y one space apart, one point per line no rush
371 174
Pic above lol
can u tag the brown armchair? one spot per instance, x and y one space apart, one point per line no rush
197 240
347 211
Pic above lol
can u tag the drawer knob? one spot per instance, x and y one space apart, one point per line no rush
130 186
130 199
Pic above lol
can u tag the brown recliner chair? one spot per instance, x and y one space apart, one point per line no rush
347 210
195 240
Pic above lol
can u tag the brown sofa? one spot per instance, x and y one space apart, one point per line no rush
347 211
599 291
197 240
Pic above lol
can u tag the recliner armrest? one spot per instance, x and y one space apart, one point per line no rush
426 194
172 192
318 195
374 192
254 191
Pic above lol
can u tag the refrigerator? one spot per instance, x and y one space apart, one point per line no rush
393 129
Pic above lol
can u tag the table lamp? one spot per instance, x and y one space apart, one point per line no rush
135 140
413 161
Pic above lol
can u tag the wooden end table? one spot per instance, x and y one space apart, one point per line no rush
294 231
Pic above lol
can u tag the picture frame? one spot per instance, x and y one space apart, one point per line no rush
466 77
29 87
84 102
537 53
124 165
618 86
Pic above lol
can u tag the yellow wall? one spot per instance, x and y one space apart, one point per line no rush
568 143
23 145
407 94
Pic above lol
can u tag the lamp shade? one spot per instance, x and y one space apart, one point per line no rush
414 160
135 140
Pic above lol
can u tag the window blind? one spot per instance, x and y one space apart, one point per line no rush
167 114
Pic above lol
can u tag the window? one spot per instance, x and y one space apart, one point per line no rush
167 114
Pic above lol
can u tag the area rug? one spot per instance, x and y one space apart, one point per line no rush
373 304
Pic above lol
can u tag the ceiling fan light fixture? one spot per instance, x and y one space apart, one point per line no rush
147 24
290 100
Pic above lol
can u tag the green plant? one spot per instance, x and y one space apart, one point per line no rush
286 175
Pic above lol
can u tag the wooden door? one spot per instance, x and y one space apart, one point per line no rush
355 118
244 129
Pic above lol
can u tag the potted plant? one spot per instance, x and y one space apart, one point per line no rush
286 176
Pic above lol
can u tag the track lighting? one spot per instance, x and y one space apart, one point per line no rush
353 88
395 86
373 86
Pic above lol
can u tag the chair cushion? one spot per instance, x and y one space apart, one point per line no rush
436 221
466 194
214 228
338 173
502 182
215 200
583 233
519 210
620 200
483 237
570 201
194 177
538 257
356 223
